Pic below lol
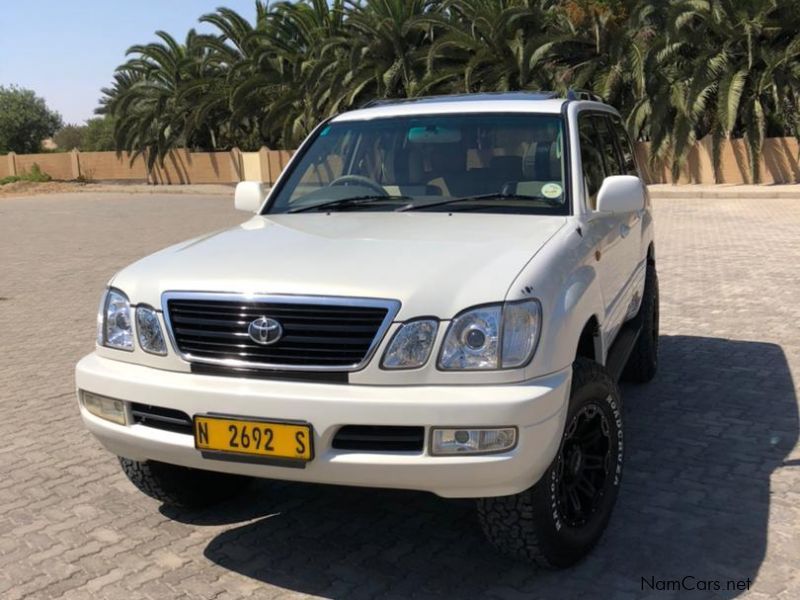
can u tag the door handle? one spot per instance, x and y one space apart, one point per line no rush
624 229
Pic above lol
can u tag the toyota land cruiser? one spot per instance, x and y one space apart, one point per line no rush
437 294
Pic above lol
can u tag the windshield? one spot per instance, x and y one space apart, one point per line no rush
509 163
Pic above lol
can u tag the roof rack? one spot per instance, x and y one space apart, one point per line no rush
579 94
524 95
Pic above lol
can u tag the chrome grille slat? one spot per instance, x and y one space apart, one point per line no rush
319 333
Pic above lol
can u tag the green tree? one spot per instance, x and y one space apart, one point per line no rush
735 73
678 70
153 115
69 137
25 120
98 135
491 45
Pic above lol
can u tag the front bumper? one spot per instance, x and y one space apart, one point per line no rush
537 407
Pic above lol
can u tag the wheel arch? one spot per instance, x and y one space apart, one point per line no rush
589 345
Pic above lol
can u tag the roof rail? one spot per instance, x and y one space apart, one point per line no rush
529 95
579 94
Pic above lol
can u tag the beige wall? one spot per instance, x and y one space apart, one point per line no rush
57 165
7 165
183 166
107 165
779 164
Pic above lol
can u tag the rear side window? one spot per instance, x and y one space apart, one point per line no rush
624 143
592 159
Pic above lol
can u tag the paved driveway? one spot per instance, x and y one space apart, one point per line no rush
712 482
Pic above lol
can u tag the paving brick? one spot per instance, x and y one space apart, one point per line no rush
712 472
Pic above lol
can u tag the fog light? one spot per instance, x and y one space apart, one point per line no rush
473 441
109 409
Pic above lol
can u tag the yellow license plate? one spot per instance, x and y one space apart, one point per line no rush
252 438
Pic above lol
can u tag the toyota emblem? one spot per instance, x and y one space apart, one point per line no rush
265 331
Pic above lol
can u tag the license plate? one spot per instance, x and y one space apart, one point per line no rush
235 438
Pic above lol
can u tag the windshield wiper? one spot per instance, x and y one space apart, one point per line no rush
353 202
491 196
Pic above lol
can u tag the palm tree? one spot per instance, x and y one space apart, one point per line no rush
678 70
283 83
604 47
739 59
152 115
491 45
383 51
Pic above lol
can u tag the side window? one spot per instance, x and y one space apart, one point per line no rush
592 159
611 156
624 142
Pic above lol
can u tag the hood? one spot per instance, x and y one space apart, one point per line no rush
435 264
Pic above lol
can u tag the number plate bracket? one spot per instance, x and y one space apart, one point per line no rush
292 463
254 440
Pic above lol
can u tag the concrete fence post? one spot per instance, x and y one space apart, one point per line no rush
237 164
12 163
75 163
263 163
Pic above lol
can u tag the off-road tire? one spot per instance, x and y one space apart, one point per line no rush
529 526
643 362
182 486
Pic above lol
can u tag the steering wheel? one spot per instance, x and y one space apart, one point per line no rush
359 180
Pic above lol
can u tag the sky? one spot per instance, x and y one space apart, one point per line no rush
67 51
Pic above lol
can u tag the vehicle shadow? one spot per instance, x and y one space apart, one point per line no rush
702 441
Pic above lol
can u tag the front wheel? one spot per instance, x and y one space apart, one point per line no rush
559 519
182 486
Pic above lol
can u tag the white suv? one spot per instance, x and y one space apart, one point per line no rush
437 294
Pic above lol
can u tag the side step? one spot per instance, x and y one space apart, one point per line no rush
622 347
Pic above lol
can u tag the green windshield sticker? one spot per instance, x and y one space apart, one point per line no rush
325 131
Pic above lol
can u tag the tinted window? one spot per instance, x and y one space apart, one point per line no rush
624 142
611 157
592 159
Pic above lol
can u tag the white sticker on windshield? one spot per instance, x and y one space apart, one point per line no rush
551 190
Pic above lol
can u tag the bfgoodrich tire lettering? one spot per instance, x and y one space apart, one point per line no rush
542 524
182 486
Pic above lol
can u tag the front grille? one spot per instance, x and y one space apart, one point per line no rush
317 333
379 438
161 418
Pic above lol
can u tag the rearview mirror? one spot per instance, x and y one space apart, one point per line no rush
249 195
620 194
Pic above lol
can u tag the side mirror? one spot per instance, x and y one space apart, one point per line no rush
620 194
249 195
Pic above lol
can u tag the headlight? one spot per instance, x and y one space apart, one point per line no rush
114 322
496 336
148 330
411 345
